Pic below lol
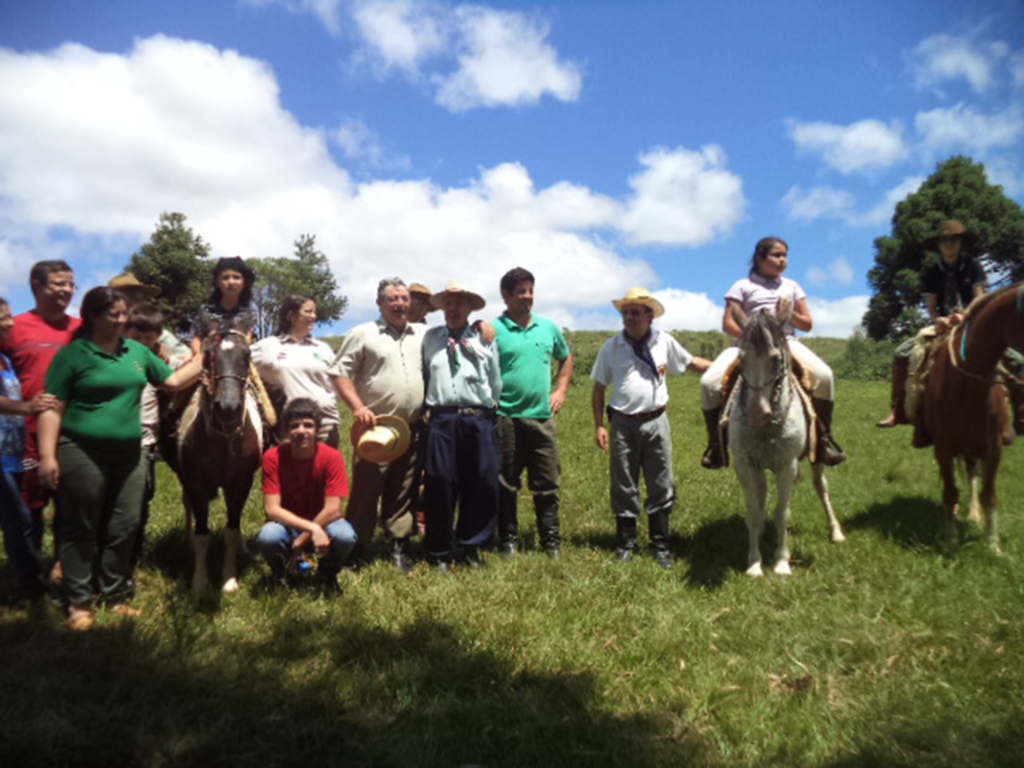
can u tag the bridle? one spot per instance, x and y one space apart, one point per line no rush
212 376
776 383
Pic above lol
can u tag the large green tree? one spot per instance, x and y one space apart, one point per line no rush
306 272
959 189
175 260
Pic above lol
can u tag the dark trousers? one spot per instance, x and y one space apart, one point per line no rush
16 521
462 463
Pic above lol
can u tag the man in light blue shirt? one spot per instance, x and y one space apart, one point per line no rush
463 458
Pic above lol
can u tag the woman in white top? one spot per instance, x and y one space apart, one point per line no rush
293 364
763 288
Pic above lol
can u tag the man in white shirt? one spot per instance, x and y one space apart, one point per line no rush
635 363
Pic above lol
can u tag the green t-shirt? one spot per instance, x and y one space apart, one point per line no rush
102 390
526 355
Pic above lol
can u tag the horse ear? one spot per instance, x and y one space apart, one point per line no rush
784 310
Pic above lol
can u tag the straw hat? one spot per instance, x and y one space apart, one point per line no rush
951 228
455 288
129 282
383 443
640 296
420 288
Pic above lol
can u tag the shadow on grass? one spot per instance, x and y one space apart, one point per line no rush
913 522
366 696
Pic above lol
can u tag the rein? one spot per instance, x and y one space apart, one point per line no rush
779 410
212 378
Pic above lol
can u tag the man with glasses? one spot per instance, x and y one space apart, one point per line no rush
635 363
36 337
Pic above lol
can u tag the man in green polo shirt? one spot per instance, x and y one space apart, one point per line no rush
527 345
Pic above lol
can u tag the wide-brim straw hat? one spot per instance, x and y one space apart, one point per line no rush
130 283
455 288
640 296
422 290
951 227
383 443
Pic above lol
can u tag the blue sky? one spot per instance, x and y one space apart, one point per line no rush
599 144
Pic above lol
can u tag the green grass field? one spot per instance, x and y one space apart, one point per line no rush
892 649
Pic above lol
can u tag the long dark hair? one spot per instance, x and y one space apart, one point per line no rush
236 263
290 306
95 304
764 245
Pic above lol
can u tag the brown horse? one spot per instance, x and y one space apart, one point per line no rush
963 409
217 444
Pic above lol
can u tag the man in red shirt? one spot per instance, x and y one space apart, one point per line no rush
304 482
36 337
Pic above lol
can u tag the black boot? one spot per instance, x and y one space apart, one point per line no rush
400 555
715 457
548 525
658 527
626 533
829 452
507 539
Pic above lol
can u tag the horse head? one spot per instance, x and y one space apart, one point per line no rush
764 364
226 358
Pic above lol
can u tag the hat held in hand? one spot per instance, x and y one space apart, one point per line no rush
383 443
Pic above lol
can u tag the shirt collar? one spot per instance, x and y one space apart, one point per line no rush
385 327
512 325
767 282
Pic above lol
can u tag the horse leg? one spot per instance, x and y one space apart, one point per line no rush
234 498
974 514
755 488
786 479
200 514
950 494
990 502
835 531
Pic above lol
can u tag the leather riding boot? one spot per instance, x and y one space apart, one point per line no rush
829 452
625 528
508 524
658 527
900 373
548 524
715 457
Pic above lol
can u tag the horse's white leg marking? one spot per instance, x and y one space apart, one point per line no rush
990 503
786 479
755 487
974 514
233 544
200 578
835 531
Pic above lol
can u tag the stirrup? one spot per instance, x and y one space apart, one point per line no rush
829 452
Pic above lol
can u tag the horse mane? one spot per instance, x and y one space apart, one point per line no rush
979 304
762 332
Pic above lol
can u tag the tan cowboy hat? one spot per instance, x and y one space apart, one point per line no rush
420 288
129 282
455 288
640 296
383 443
951 228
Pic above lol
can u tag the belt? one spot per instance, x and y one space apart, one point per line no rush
643 418
460 410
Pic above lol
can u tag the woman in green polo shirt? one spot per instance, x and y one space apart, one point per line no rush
90 450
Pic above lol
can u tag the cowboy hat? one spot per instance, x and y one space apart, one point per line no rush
951 228
640 296
382 443
129 282
420 288
455 288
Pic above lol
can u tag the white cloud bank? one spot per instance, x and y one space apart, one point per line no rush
940 58
94 146
867 145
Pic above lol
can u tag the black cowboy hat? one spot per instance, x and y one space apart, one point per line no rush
951 228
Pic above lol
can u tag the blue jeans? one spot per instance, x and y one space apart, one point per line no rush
275 544
16 522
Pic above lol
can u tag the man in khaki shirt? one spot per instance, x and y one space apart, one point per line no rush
379 371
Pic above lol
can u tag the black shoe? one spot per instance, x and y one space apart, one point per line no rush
664 559
507 550
554 553
472 557
442 566
327 586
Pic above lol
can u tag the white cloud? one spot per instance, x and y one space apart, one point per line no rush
401 34
359 143
93 147
819 202
1016 65
688 311
961 128
941 58
683 197
504 60
883 212
837 319
866 145
329 12
838 272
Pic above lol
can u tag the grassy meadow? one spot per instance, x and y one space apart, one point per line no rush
894 648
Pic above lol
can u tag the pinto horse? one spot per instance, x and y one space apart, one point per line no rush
962 409
769 430
217 445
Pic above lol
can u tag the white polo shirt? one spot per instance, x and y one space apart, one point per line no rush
300 368
636 388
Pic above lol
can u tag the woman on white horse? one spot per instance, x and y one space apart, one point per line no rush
764 287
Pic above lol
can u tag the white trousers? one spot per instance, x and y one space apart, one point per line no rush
711 381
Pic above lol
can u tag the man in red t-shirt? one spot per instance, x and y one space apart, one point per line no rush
304 482
36 337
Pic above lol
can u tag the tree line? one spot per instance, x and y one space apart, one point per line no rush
178 261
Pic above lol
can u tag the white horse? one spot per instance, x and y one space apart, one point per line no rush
768 430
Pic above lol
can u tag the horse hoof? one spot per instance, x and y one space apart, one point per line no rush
782 569
231 585
755 570
838 536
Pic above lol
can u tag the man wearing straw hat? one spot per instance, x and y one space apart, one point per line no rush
527 346
463 458
635 362
379 373
419 303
